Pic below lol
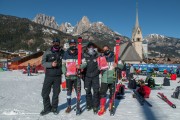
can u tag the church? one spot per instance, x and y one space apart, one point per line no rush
132 52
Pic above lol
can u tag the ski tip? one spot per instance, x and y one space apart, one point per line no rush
79 40
173 106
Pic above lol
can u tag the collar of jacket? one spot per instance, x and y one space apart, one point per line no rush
73 54
88 55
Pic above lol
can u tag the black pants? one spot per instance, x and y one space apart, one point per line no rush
92 82
51 82
69 85
130 76
104 88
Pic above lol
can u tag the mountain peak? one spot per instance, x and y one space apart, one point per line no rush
157 36
85 19
82 26
46 20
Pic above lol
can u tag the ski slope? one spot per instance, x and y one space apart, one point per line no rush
20 99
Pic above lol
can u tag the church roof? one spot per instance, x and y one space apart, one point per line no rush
128 52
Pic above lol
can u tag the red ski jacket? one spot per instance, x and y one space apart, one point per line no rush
144 91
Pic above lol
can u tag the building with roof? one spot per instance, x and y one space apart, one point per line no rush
137 36
132 51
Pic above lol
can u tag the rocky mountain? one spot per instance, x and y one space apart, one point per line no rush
45 20
66 28
82 26
102 35
21 33
95 32
161 45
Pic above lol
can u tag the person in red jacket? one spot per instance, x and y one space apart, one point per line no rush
144 90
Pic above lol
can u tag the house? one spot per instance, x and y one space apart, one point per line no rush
33 59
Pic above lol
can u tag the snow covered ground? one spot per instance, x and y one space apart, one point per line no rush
20 99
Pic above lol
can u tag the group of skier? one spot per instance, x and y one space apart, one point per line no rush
58 62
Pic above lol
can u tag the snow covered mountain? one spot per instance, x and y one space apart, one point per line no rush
163 45
156 36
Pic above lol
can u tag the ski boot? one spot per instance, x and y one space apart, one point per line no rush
88 108
102 106
95 110
55 111
44 112
68 110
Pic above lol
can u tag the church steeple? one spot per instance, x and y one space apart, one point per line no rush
137 35
137 20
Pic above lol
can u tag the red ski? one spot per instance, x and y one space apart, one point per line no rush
163 97
78 109
117 52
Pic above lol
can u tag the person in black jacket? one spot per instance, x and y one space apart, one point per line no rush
52 62
91 77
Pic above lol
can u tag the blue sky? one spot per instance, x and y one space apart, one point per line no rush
155 16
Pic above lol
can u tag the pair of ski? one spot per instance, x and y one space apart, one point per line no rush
165 99
141 99
117 52
78 108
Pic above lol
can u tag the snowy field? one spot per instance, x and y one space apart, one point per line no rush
20 99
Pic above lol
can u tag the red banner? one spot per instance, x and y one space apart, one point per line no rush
102 63
71 68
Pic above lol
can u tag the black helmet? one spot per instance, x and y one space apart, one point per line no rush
56 40
72 41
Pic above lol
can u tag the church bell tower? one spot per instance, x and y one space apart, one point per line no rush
137 36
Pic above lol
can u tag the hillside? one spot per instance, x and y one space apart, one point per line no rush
21 33
161 46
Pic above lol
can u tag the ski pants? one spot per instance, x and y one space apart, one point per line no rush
131 76
54 83
92 82
70 84
104 88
